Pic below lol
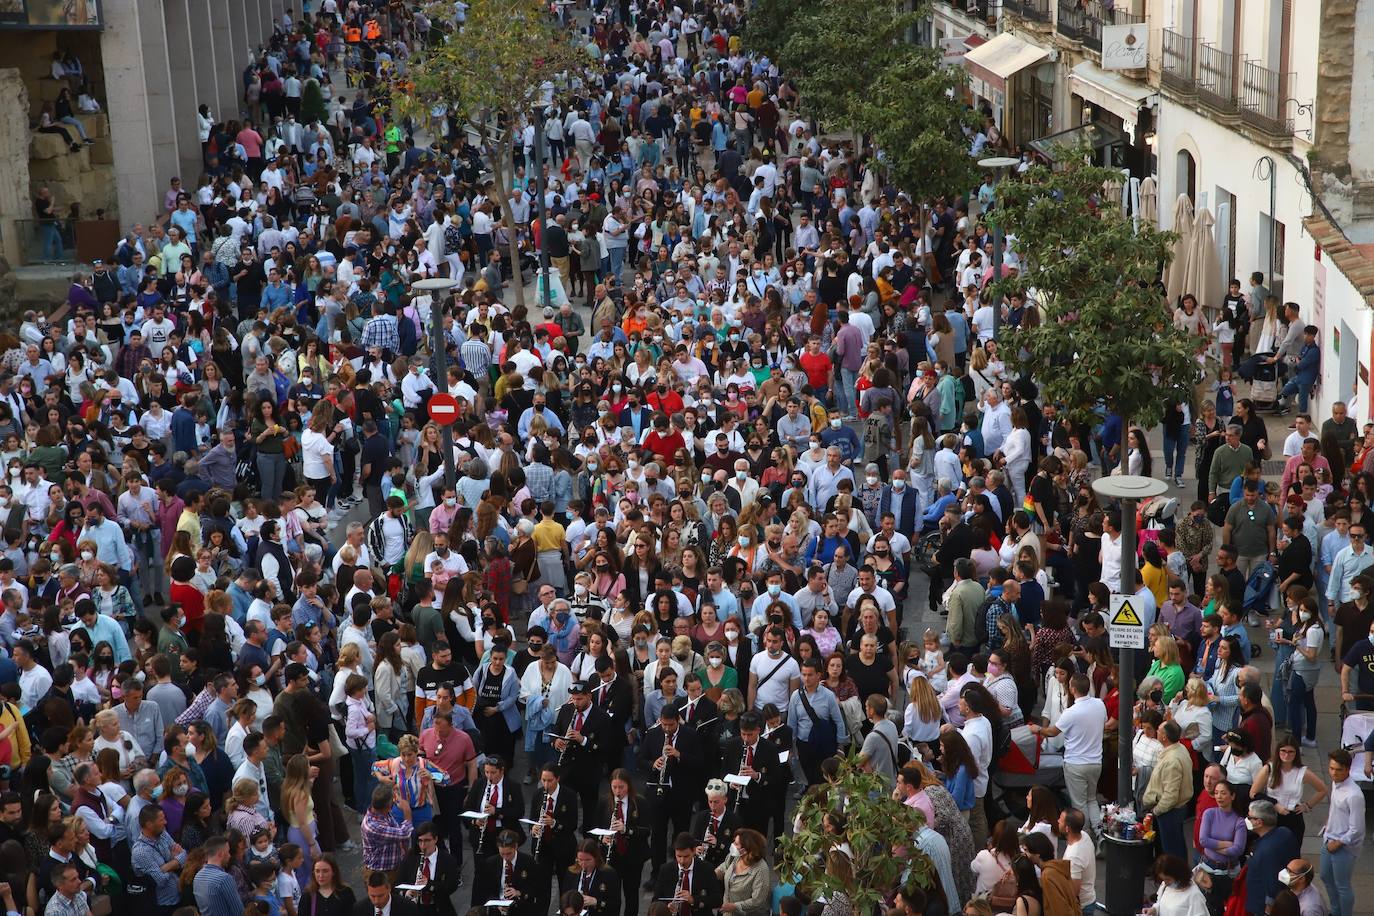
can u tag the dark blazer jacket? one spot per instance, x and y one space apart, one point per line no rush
508 812
603 884
582 762
724 834
526 877
633 846
399 907
443 884
684 774
702 885
559 841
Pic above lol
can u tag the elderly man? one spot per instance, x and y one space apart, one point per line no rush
145 781
996 422
825 479
141 719
217 466
1272 848
1297 877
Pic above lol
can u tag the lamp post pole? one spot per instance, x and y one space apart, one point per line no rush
997 166
539 207
1129 490
437 288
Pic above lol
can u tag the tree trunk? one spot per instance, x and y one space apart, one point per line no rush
500 157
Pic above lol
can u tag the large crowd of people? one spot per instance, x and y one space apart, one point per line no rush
756 491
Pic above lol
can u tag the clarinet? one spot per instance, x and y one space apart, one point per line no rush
661 785
676 905
744 790
482 831
543 810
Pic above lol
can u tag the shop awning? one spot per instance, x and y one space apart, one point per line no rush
1001 58
1117 94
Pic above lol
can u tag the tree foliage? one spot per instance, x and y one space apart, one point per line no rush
879 829
312 103
1105 337
485 76
855 69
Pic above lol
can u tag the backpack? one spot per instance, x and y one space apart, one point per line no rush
406 333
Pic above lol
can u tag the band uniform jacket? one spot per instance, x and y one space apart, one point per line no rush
442 884
558 845
704 716
683 777
510 809
724 834
703 885
617 702
581 762
525 876
752 802
400 906
631 847
603 884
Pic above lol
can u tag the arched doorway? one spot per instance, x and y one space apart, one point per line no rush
1186 178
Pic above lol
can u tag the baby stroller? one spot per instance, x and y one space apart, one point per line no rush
1259 589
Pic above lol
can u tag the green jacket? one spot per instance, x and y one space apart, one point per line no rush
393 139
1228 464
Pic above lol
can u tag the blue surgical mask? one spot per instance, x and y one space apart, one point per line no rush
157 792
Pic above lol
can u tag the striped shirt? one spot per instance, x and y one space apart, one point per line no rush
476 357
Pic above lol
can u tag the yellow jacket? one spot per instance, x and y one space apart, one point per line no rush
19 738
1171 781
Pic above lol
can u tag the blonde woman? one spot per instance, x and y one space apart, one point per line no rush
349 662
921 721
1194 717
414 780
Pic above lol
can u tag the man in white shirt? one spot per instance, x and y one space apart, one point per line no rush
1082 726
1109 554
1302 431
773 675
996 425
34 679
1081 856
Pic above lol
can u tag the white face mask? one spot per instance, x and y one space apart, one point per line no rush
872 479
836 423
451 501
732 636
1304 616
716 662
580 590
87 555
898 484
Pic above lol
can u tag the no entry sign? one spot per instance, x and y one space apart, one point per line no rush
443 408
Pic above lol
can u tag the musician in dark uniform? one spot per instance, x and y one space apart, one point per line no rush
688 881
627 815
777 732
614 696
670 756
428 866
499 797
714 828
579 756
508 875
755 758
554 840
702 714
596 885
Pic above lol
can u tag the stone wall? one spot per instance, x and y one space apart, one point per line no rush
14 160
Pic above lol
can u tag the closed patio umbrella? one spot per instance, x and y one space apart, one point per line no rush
1203 277
1149 200
1178 267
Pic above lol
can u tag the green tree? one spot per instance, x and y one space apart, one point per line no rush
312 103
504 63
768 23
879 829
1105 336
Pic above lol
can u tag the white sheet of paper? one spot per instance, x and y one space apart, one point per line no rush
475 815
602 831
784 756
411 887
501 903
736 779
525 820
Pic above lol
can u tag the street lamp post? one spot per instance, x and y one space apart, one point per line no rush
539 207
997 166
437 288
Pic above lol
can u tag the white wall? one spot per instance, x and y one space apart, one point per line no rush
1226 159
1345 312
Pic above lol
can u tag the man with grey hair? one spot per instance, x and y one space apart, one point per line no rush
1272 849
1251 675
147 791
1297 877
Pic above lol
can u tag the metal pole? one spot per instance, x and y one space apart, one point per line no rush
1126 677
438 290
539 205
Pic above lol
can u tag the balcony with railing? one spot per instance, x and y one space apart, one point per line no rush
1264 96
1041 11
1216 79
1178 62
1082 20
979 10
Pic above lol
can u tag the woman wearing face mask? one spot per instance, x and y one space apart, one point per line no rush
253 685
1306 642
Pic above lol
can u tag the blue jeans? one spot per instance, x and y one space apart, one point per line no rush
1337 869
1172 839
844 392
50 240
272 470
1175 448
363 780
1302 708
617 257
1302 391
1276 691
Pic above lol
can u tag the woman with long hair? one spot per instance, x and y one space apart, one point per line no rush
1223 692
386 679
1284 780
298 809
992 864
326 894
921 720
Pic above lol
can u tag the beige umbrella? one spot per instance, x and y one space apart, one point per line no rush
1203 278
1178 266
1149 201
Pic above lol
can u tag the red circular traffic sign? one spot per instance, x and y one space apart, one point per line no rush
443 408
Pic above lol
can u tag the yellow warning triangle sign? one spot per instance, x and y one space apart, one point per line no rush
1126 616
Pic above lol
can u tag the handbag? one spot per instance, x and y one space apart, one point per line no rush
824 738
1002 895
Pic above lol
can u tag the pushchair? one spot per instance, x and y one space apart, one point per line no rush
1259 589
